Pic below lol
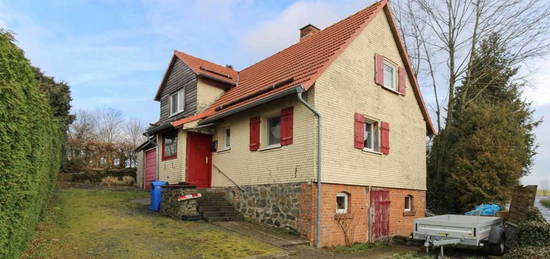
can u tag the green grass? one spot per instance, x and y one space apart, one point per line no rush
358 247
542 192
103 223
545 203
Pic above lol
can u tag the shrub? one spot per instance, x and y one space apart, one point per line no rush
534 233
30 149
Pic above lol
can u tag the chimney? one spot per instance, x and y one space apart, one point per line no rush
307 31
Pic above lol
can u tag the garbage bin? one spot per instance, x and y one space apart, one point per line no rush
156 195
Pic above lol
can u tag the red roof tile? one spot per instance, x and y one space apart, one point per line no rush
299 64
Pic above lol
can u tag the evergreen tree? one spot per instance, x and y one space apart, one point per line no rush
489 146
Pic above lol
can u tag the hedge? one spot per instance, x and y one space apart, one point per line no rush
30 149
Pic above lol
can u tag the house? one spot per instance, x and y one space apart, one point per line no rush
341 105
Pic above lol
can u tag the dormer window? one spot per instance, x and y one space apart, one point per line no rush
177 102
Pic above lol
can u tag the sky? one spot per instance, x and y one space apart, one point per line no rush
114 52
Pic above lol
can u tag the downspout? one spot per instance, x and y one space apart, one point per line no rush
300 90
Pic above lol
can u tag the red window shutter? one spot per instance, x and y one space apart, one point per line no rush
287 115
254 133
385 137
379 69
402 80
359 139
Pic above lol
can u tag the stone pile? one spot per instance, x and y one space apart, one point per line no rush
171 207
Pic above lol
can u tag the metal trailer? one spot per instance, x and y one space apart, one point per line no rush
438 231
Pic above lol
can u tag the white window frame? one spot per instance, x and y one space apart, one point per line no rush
375 138
408 201
181 102
393 86
226 138
268 126
346 203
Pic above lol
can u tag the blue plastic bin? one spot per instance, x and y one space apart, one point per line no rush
156 195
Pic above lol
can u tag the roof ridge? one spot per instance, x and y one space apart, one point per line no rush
316 34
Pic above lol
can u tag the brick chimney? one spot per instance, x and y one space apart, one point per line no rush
307 31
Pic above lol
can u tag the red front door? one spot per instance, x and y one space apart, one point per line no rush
199 159
380 202
150 162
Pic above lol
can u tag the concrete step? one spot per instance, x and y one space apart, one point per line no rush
209 203
216 208
213 214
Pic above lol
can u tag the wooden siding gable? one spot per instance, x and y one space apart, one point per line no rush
178 76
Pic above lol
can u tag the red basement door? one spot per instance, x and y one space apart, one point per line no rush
150 162
199 159
380 202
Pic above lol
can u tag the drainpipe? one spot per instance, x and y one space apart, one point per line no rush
300 91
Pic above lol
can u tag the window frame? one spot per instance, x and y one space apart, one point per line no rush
394 68
408 201
226 138
174 155
268 129
375 132
345 210
180 97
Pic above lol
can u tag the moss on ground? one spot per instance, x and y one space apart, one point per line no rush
103 223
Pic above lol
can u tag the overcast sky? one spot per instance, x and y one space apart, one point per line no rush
114 53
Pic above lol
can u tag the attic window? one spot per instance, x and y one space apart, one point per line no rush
177 102
390 75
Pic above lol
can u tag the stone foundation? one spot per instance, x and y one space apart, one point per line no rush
171 207
276 205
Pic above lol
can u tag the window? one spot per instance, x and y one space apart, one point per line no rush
389 76
170 145
408 203
371 136
177 102
274 131
342 203
227 138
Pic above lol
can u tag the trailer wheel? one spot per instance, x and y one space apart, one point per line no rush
498 249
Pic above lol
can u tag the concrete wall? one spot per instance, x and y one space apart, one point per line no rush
173 170
347 87
286 164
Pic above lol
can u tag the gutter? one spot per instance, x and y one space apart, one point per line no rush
300 90
250 105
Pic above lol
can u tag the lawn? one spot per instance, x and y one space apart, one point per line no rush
103 223
545 203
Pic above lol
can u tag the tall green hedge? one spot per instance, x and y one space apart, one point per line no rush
30 149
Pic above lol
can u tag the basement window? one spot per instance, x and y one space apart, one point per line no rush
342 200
408 203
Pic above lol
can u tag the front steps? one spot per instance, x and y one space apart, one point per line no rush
214 207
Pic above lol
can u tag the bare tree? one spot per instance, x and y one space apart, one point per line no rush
133 135
441 37
109 123
83 127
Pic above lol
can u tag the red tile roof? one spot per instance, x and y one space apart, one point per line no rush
201 66
299 64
